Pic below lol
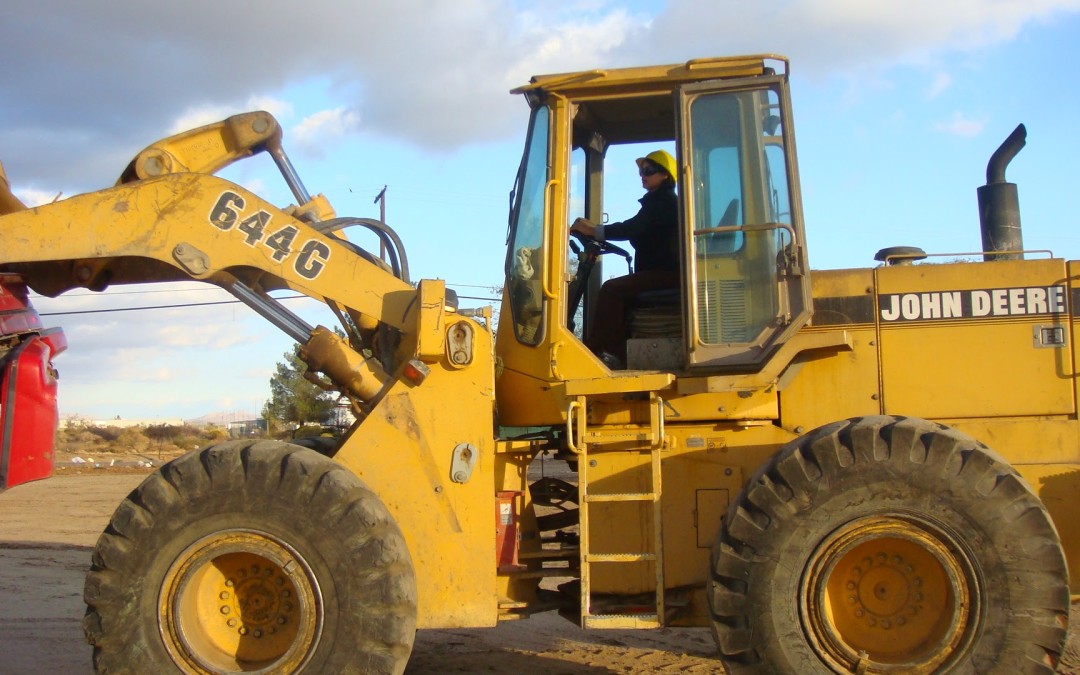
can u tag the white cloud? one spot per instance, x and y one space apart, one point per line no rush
142 365
254 185
318 130
436 74
201 115
208 114
961 125
282 110
824 37
942 81
32 197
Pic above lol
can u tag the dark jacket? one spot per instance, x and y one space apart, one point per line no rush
653 232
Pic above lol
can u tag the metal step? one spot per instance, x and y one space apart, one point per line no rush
601 437
568 553
618 557
623 497
621 621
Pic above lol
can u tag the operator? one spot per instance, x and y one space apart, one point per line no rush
654 234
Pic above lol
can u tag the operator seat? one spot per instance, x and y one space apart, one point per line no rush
658 313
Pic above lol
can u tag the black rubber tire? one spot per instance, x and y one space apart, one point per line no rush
334 528
913 471
324 445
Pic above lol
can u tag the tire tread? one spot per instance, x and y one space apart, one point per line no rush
376 588
930 459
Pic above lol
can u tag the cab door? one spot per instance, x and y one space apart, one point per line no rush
746 284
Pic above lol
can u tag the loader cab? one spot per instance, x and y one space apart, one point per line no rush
744 288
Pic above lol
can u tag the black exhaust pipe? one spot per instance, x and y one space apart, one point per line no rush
999 203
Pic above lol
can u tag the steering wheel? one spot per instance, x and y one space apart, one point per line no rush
593 250
598 247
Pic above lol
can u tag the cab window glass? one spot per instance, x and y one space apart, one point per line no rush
525 255
576 209
742 213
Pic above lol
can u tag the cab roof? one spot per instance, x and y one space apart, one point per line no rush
644 78
634 105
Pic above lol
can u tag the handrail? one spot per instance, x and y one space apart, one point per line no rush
659 421
555 346
549 191
729 60
911 256
558 81
570 444
755 227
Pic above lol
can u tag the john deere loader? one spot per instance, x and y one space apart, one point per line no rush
869 470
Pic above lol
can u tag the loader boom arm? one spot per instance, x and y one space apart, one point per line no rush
170 219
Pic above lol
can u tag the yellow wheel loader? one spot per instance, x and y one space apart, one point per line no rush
849 471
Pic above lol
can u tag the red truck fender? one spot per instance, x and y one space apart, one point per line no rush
28 411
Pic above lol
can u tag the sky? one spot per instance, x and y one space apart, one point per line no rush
898 106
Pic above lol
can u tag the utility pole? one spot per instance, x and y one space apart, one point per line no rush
380 199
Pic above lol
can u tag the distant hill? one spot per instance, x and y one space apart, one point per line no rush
216 418
221 418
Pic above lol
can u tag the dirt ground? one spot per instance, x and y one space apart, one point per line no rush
48 529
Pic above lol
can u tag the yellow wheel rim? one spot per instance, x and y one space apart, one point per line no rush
239 601
889 594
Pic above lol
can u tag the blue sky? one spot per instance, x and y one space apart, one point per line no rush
898 106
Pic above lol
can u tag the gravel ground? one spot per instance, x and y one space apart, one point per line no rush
48 529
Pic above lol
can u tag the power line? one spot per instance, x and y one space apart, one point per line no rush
114 293
135 309
208 304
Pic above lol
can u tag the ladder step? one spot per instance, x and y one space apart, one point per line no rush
618 557
626 621
604 436
623 497
567 553
538 574
617 436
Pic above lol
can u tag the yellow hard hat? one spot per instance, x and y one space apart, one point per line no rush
663 159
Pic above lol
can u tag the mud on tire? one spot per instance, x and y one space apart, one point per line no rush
251 556
887 545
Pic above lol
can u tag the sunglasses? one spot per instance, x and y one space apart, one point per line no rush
649 170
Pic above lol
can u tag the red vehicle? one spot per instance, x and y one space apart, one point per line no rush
28 414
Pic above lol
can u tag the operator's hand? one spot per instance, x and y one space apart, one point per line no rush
584 227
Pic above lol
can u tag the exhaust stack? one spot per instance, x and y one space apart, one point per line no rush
999 203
